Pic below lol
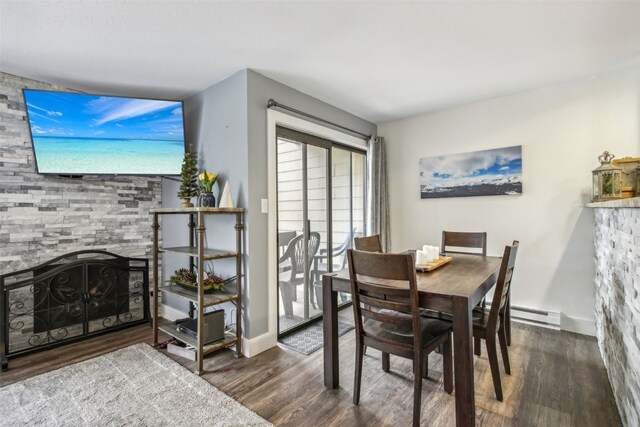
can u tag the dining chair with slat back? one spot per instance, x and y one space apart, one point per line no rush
489 326
475 243
393 323
371 244
492 324
294 258
467 240
368 243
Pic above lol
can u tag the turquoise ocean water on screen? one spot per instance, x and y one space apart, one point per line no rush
72 155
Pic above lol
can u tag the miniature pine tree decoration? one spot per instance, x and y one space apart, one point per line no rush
189 173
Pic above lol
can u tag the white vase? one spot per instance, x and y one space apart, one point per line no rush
225 200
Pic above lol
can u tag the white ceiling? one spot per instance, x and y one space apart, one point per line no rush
378 60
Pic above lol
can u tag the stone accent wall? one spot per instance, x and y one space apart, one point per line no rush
43 216
617 244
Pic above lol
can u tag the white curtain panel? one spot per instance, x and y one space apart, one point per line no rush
377 196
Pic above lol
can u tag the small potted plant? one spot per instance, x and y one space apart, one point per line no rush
188 184
207 179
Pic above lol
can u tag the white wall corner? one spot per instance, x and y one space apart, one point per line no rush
578 325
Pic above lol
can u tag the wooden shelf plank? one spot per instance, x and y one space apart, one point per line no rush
209 254
226 294
174 211
170 329
228 340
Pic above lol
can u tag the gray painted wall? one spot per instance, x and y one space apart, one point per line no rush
216 127
228 124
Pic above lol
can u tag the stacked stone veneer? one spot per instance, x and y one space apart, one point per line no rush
44 216
618 304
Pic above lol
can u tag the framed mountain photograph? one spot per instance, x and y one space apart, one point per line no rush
477 173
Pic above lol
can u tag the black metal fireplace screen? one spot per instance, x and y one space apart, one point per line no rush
70 298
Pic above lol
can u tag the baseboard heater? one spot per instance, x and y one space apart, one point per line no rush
535 317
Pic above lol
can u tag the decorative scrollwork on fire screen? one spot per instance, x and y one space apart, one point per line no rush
73 299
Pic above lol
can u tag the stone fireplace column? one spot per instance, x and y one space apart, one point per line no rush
617 252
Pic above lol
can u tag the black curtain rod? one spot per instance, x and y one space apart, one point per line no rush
272 103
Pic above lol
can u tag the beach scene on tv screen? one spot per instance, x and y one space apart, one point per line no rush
90 134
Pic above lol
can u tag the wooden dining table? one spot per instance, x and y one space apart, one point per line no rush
455 288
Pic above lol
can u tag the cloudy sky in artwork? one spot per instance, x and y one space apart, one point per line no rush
469 168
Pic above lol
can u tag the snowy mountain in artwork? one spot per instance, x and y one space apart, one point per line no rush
479 173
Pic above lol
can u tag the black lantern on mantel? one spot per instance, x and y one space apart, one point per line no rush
607 179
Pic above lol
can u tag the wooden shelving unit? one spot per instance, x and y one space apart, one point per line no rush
232 292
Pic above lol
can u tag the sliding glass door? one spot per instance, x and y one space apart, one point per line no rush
347 200
320 209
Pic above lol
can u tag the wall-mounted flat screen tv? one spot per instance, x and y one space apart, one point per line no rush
80 134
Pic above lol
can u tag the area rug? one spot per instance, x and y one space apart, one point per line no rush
135 386
309 339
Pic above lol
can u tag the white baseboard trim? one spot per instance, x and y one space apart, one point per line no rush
579 325
254 346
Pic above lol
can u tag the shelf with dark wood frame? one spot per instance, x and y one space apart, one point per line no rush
232 292
170 329
209 254
226 294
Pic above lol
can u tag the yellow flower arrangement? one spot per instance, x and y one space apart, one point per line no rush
207 180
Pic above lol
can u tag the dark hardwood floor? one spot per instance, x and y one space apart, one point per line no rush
558 379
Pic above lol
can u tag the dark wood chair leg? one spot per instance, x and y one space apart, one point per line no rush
417 392
365 347
358 375
492 353
386 362
447 366
477 346
502 338
330 334
425 366
507 321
